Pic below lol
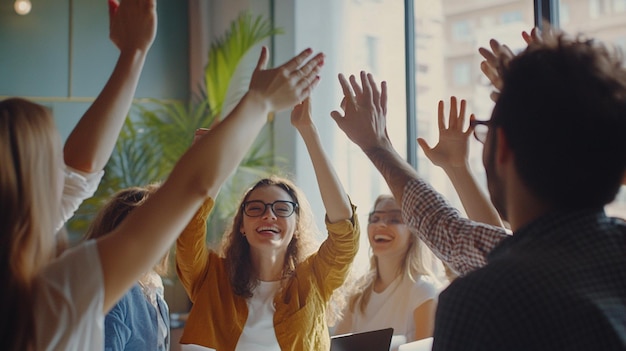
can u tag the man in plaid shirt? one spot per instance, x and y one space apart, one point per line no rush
555 155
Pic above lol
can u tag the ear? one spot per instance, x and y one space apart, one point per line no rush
503 153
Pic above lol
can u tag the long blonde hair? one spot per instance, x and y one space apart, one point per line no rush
30 159
417 262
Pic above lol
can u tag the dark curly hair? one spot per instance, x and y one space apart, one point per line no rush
562 108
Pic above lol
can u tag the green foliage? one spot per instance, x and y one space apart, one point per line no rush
159 132
225 54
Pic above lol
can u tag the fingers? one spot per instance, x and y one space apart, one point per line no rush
527 37
367 89
440 113
383 97
347 92
113 6
306 90
491 73
424 145
452 116
263 58
461 119
375 92
355 86
312 66
338 117
295 62
470 128
308 72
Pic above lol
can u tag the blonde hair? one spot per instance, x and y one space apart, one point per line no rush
30 155
116 209
236 250
417 262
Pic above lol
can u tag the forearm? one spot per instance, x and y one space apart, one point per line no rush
217 154
396 171
199 174
334 197
91 143
476 204
191 249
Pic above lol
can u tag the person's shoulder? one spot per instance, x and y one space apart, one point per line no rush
489 283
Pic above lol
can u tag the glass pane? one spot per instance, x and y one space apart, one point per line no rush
355 35
604 20
448 35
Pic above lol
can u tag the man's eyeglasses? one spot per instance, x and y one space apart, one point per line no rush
387 217
481 128
281 208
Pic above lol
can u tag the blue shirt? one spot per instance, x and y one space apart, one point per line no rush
132 324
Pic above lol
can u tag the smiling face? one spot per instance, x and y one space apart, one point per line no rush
269 232
387 233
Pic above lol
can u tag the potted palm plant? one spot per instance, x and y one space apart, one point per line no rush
159 132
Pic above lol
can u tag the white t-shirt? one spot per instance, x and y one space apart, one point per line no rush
77 187
69 300
394 307
258 333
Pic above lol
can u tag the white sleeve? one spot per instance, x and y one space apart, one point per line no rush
77 187
69 302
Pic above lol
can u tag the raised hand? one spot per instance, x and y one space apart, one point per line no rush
301 114
452 149
284 86
501 55
132 24
364 111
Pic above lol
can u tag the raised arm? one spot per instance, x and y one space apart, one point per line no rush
334 196
461 243
132 29
200 173
451 154
364 122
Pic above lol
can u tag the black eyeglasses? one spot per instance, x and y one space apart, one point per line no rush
481 128
281 208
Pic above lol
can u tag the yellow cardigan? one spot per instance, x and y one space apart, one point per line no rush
218 315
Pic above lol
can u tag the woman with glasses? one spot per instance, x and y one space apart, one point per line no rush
400 290
268 288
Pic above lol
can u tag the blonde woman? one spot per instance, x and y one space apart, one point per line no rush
399 291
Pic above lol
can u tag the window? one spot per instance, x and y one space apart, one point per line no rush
461 31
456 55
372 53
360 35
619 6
605 21
511 16
462 74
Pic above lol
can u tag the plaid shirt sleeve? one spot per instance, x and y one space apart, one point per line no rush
461 243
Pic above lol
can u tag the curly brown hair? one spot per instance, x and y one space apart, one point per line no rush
235 249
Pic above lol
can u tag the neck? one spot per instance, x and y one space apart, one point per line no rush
523 206
388 271
269 266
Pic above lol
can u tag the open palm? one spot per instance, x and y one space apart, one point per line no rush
452 149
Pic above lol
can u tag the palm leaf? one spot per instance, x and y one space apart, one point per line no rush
225 54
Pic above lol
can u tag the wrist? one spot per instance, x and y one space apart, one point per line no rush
259 101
